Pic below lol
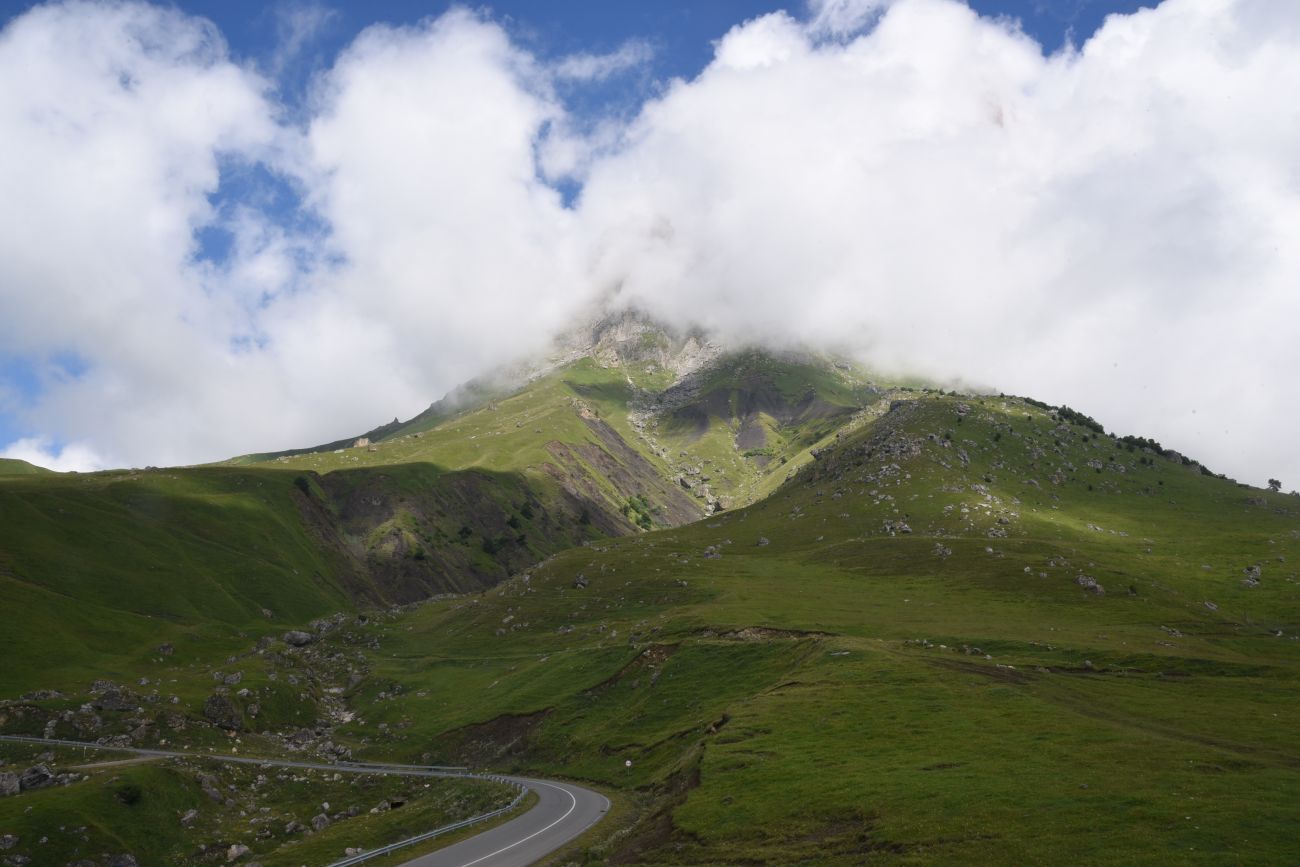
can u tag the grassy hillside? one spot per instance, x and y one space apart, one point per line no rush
137 808
903 655
944 629
728 430
15 467
98 570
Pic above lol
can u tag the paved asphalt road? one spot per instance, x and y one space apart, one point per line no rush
562 812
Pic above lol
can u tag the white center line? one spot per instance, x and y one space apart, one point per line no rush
572 807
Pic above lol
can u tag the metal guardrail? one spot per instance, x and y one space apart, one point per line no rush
429 835
351 767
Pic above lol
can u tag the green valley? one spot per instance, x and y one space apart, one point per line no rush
781 611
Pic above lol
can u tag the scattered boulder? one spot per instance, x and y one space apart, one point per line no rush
222 713
1253 575
190 817
209 786
115 700
8 841
320 822
9 784
35 777
1087 582
166 649
298 638
763 541
236 851
122 861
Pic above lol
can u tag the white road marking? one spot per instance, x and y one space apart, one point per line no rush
572 807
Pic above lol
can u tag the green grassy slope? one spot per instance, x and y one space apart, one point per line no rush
99 569
15 467
729 430
806 679
137 809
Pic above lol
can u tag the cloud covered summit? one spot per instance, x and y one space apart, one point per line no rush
1112 226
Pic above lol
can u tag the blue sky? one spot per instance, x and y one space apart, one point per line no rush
681 36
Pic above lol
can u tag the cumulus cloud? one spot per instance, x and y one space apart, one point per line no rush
43 452
1110 226
1105 227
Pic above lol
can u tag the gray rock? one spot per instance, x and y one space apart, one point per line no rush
320 822
116 700
209 786
35 777
8 841
189 818
222 713
9 784
233 679
298 638
122 861
236 851
1087 582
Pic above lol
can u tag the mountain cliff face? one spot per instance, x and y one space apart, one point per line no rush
625 426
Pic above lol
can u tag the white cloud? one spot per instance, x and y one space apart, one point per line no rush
43 453
1111 227
597 67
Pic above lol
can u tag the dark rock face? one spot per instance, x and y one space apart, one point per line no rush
35 777
209 786
222 713
116 700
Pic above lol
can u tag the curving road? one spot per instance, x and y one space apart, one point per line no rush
562 812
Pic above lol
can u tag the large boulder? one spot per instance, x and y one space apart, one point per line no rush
222 713
298 638
35 777
116 700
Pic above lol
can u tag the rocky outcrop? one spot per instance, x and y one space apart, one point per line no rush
222 713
